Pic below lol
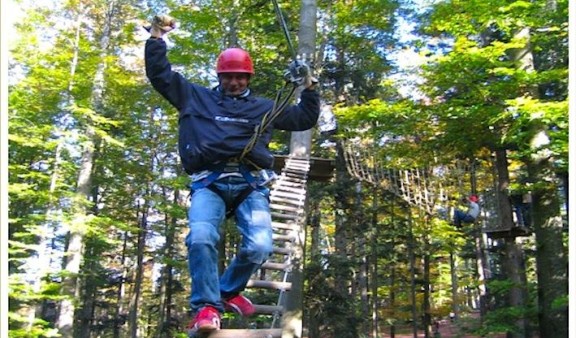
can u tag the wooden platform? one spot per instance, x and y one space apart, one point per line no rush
495 233
247 333
321 169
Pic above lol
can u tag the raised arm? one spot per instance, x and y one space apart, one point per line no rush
158 69
302 116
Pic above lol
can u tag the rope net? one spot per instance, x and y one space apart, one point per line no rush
428 188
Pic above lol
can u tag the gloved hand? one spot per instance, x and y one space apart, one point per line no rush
299 74
161 24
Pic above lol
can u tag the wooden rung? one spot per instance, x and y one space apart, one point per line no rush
294 190
293 187
275 266
246 333
285 216
285 226
290 179
268 309
282 251
299 203
291 190
297 160
264 284
295 196
289 184
297 171
288 198
293 175
285 208
286 238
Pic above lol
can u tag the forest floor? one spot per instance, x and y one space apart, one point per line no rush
446 329
449 329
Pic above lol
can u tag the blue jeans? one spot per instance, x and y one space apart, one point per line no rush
206 214
462 217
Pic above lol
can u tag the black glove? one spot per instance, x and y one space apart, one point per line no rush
298 73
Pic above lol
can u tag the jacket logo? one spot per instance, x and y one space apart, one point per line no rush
230 119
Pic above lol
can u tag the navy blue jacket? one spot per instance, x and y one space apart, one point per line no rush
214 127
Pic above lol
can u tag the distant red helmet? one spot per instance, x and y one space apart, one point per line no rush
234 60
473 198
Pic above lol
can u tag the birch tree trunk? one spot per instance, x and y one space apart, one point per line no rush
73 254
300 146
301 141
81 217
45 246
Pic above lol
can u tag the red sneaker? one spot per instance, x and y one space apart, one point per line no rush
240 305
206 320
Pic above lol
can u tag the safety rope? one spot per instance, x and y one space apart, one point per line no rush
284 29
267 120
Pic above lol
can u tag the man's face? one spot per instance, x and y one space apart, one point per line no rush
234 84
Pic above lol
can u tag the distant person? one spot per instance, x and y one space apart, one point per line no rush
468 216
521 202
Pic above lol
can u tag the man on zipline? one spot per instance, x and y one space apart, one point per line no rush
229 167
470 215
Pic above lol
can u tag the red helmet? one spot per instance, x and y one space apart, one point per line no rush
473 198
234 60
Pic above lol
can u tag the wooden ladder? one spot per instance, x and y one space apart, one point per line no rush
287 206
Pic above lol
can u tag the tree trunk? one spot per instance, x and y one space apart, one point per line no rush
119 311
301 141
315 227
341 221
76 239
46 237
454 283
551 255
375 281
300 145
513 261
481 264
412 257
310 320
363 259
426 301
141 244
84 187
166 291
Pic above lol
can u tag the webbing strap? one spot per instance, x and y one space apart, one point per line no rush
217 170
231 207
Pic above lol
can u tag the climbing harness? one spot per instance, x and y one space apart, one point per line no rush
255 180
